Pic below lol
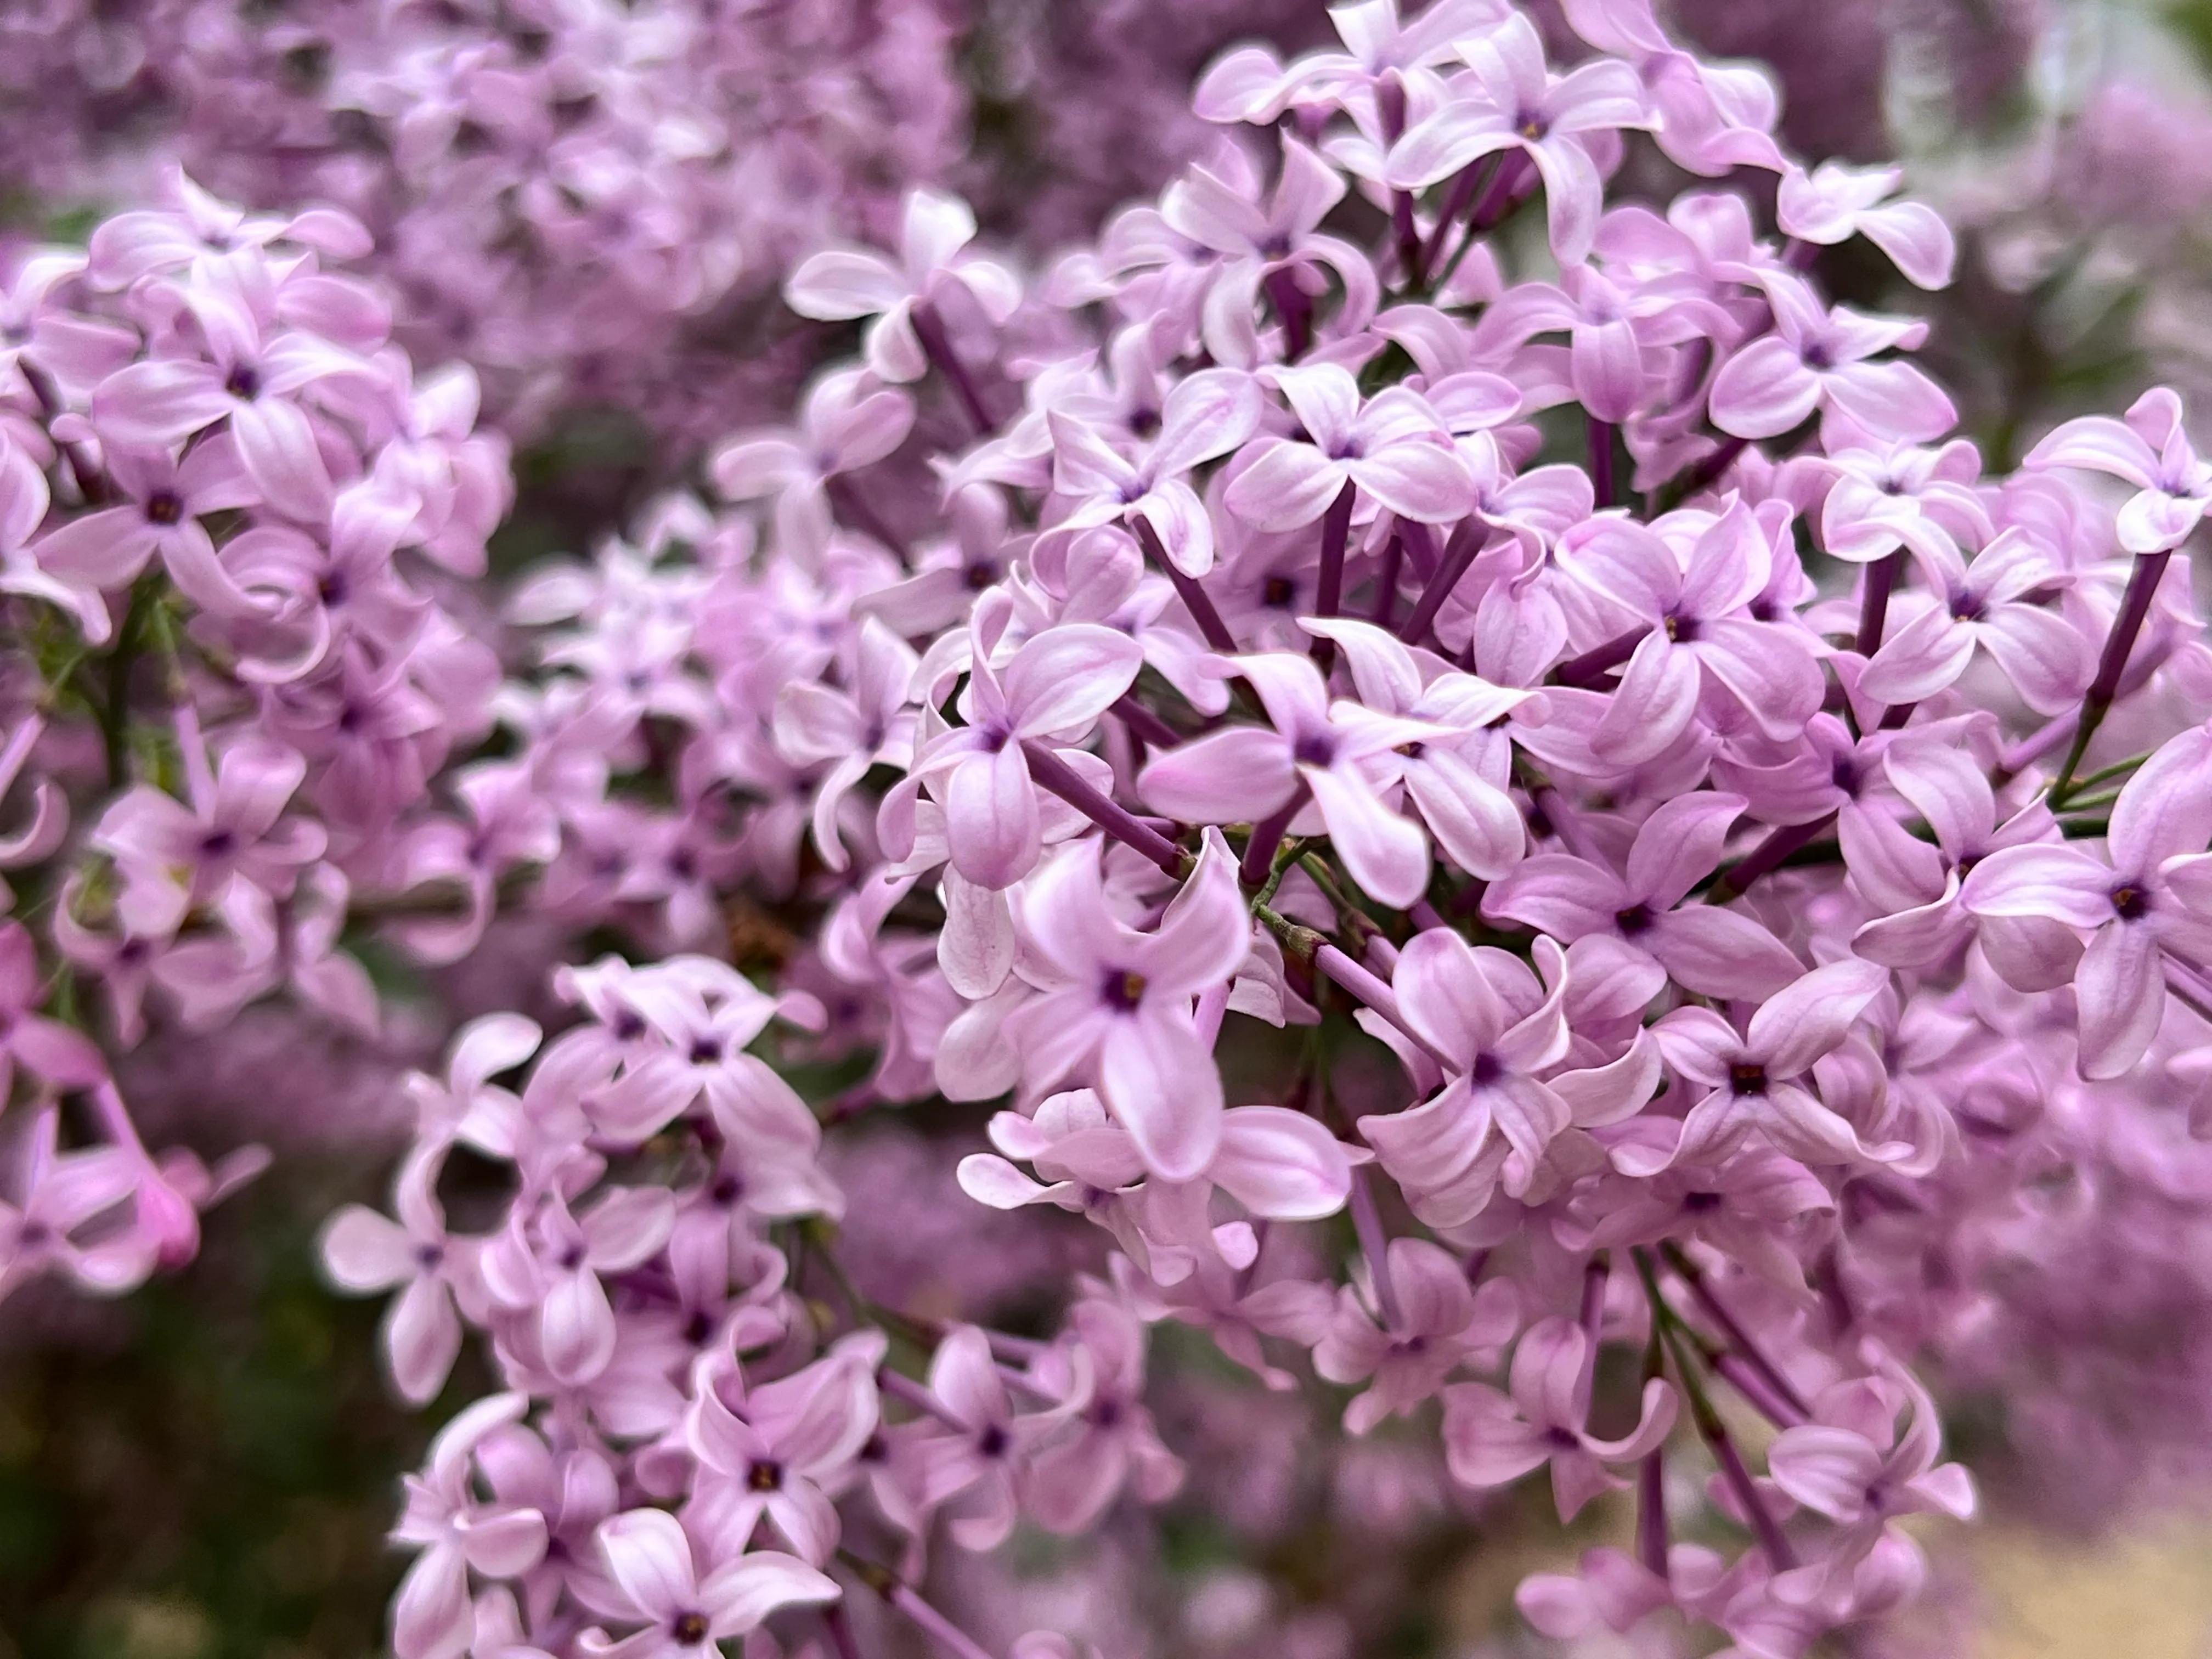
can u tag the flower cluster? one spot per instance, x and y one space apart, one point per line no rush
591 201
231 522
1494 799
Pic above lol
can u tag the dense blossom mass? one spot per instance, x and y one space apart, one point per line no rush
1553 864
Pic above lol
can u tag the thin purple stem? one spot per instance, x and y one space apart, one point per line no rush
1710 468
1459 553
1763 1526
1593 1317
937 346
2135 608
1498 200
1335 533
1116 820
1375 1245
1455 200
1194 596
840 1630
1143 723
1408 234
1267 836
1739 1339
1737 879
946 1634
847 500
904 1390
1386 583
1651 1537
1600 434
1376 994
1874 601
1745 1379
1590 669
1293 308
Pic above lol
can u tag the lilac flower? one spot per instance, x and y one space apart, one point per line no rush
1207 415
58 1195
1276 248
1711 117
549 1266
103 551
1835 202
850 422
1851 1465
456 1532
771 1450
1393 447
1492 1437
1317 746
1514 103
687 1616
1506 1098
1439 1324
1118 1000
2151 450
841 283
1703 652
53 1053
1816 359
1755 1083
1707 948
176 854
1987 604
1115 1445
1052 690
2150 900
366 1252
1456 779
1252 83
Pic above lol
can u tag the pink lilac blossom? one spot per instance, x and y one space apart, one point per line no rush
1293 773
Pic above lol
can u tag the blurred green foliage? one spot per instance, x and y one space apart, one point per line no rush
205 1470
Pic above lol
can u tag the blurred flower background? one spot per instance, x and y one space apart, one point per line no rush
596 205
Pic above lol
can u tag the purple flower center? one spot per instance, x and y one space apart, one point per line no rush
689 1628
1313 749
1747 1076
1632 921
243 382
993 1442
1701 1203
1486 1068
2130 902
765 1476
1123 989
1682 630
1818 356
1278 592
165 507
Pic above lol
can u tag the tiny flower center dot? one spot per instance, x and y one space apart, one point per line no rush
689 1628
1747 1077
2130 902
1125 989
765 1477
